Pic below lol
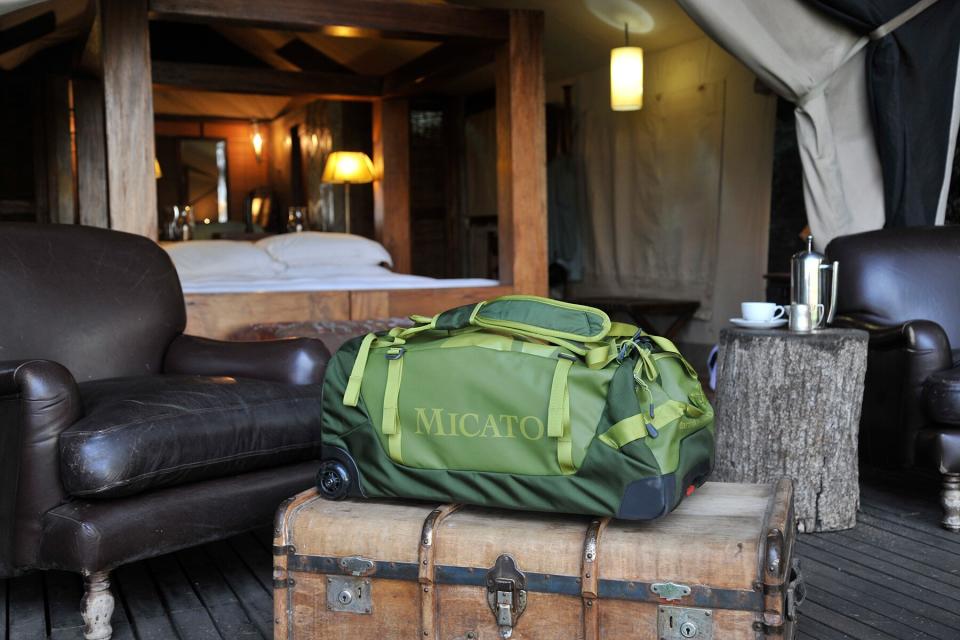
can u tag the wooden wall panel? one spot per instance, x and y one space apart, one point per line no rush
91 152
179 128
521 155
244 172
59 153
391 192
128 109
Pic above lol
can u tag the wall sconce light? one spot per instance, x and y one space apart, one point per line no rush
626 76
346 168
256 139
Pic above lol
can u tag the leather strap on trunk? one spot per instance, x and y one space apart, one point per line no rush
428 600
590 578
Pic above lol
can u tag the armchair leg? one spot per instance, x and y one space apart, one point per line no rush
950 499
97 606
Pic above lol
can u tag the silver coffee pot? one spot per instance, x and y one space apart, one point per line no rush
810 274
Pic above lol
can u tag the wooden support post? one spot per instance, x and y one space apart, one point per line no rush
521 156
59 152
91 152
128 116
391 190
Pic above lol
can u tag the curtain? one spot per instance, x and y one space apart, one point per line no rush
652 188
819 65
912 86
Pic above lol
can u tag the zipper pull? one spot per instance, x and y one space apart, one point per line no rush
652 431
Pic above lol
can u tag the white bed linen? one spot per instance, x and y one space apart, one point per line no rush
283 282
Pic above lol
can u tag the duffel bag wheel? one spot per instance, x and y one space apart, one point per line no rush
333 480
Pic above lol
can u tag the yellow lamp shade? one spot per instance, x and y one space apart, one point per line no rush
626 79
351 167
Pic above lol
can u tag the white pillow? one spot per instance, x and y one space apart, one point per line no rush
315 247
204 258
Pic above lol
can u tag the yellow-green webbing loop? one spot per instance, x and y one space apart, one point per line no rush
557 389
622 330
667 346
635 427
558 413
600 356
390 424
645 367
351 395
423 323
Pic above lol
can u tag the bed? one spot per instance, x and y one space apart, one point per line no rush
230 286
220 306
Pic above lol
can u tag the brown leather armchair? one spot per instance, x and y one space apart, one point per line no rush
120 437
902 286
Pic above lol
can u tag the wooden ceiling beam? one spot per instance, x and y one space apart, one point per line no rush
449 60
207 77
384 16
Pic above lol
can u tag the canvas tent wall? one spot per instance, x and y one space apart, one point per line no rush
820 63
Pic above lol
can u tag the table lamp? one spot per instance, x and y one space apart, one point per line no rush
346 168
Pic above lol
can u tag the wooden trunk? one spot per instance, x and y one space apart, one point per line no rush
719 567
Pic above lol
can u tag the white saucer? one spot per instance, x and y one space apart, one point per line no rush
763 324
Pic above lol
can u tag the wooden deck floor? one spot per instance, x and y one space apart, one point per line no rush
896 575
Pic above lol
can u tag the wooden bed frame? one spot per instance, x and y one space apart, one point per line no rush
222 315
468 37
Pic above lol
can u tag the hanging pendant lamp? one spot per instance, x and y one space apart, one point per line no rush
626 76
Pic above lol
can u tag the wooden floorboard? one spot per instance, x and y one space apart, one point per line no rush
896 576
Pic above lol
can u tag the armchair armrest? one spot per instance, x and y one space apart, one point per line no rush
295 361
924 338
38 400
900 359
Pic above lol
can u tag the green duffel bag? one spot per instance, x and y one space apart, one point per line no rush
518 402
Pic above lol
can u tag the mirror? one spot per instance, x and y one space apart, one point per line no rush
193 172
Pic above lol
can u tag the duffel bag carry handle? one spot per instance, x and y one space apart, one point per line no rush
530 316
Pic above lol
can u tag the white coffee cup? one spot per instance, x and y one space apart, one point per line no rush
761 311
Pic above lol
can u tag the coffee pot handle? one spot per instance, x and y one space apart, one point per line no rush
833 292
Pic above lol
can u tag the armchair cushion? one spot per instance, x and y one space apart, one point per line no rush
941 396
157 431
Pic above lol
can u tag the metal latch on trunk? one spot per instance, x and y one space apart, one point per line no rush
506 594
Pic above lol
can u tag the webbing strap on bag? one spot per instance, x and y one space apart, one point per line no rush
558 412
351 395
635 427
391 402
622 330
557 388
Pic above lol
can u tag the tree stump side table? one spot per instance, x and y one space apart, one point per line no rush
788 405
